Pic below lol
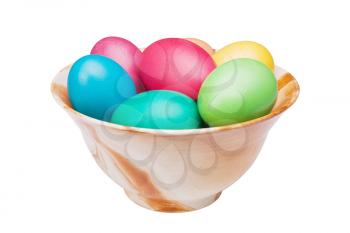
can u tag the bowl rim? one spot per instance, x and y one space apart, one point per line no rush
179 132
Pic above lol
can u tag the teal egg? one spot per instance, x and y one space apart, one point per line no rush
159 109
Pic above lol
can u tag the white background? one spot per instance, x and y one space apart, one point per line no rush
50 183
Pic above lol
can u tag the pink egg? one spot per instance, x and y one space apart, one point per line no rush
124 53
175 64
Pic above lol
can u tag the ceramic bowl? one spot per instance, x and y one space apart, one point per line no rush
176 170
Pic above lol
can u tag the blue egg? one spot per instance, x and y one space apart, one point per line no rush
97 85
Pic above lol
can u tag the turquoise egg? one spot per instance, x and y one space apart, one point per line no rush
159 109
97 85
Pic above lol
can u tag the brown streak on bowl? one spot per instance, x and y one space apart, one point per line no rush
141 181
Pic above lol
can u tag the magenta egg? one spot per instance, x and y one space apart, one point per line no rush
175 64
124 53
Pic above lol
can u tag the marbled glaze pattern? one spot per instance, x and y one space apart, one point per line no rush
176 170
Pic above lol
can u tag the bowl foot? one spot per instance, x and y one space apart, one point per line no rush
171 206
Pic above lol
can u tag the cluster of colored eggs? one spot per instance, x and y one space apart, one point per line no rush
173 84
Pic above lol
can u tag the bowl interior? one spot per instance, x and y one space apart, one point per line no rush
288 91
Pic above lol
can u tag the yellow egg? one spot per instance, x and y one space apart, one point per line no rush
244 49
204 45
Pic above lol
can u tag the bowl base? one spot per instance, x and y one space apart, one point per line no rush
168 206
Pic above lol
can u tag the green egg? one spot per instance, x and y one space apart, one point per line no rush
158 109
237 91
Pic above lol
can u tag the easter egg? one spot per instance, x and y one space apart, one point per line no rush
158 109
97 84
237 91
175 64
204 45
124 53
244 49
